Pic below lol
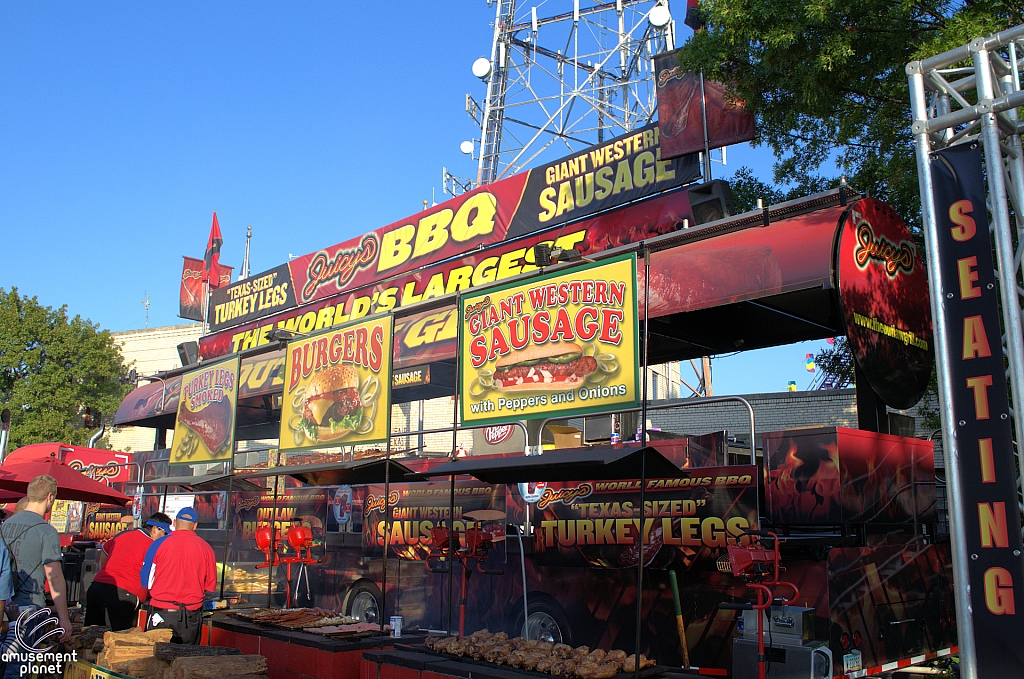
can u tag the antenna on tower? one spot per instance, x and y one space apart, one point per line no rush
245 261
556 83
146 304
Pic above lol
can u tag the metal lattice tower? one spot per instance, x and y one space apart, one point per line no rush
944 89
564 75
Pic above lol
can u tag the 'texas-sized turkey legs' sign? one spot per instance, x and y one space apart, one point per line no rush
205 428
554 345
980 412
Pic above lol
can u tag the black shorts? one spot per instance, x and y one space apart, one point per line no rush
105 602
187 625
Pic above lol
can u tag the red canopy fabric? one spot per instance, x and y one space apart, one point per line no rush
71 485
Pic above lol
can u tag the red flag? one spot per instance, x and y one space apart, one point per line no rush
211 263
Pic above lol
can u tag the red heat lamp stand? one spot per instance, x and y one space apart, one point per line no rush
758 564
478 542
263 537
300 538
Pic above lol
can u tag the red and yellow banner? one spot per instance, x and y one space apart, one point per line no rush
337 387
205 427
554 346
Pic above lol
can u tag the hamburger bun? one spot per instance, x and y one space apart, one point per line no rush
340 376
538 352
327 434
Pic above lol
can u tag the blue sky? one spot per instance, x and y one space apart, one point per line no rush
123 126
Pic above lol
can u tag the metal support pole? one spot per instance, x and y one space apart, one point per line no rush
1002 230
227 523
643 467
957 532
387 531
1011 83
273 539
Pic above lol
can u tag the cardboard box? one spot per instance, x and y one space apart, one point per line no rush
566 437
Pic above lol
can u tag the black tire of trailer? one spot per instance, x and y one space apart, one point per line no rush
545 614
360 596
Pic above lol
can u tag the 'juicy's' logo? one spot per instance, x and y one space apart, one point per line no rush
564 495
895 257
376 504
341 268
245 505
96 471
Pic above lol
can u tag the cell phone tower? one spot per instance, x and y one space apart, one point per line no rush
561 76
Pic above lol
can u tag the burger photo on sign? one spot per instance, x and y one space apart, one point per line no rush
335 404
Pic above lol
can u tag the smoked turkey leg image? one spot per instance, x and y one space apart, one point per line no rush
212 424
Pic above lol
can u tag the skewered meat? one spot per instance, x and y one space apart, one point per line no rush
545 646
530 661
515 658
593 670
565 668
518 643
596 656
546 663
562 651
617 657
580 652
498 654
630 664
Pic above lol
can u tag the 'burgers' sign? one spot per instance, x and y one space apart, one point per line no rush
337 386
556 345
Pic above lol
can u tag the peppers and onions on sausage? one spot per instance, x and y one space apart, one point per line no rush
332 408
556 366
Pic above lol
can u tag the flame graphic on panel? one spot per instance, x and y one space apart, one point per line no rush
417 552
806 484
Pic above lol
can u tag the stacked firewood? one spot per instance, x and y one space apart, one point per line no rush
558 660
87 641
218 667
132 652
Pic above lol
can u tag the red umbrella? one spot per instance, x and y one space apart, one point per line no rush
71 485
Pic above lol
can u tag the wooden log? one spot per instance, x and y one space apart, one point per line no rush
170 652
217 667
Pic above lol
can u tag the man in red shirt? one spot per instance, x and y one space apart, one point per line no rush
116 592
180 571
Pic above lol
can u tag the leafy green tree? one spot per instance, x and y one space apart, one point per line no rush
53 368
825 80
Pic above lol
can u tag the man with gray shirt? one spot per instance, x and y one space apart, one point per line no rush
34 547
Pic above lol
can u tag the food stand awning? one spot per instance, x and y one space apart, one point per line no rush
71 484
598 463
338 473
205 483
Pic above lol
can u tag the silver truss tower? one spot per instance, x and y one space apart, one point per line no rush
563 75
942 87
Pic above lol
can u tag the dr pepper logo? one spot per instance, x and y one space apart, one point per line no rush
498 434
895 258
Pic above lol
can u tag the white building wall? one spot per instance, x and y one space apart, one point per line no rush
149 351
